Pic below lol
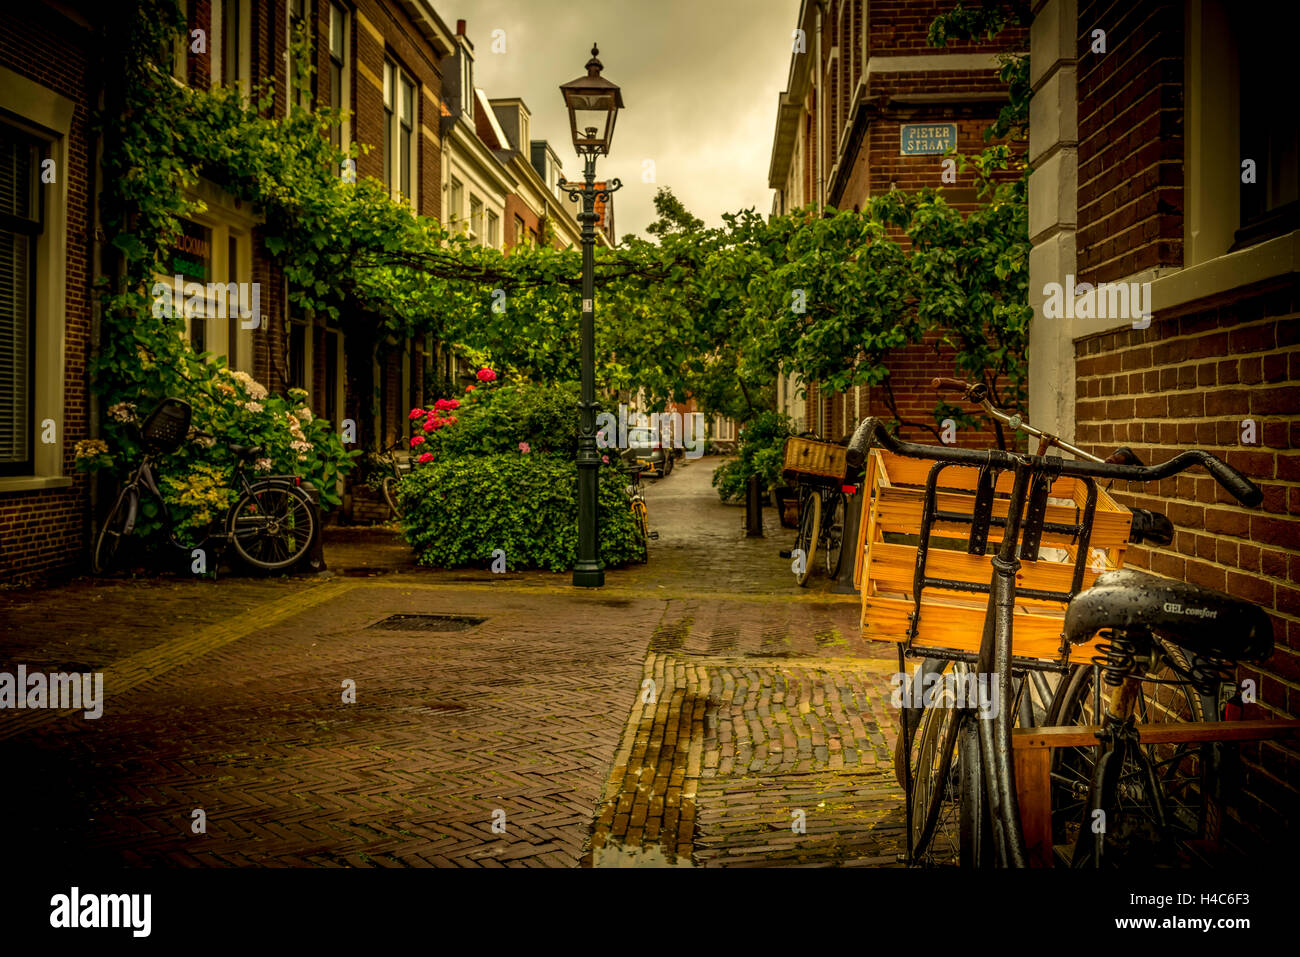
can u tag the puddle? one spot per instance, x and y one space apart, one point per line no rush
616 855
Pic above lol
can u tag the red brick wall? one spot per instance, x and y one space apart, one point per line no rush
899 28
45 532
1130 138
1190 381
517 207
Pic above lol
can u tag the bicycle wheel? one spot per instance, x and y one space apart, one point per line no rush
391 485
272 527
833 531
1181 773
810 523
116 528
936 797
642 522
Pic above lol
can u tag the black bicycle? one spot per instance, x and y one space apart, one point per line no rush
270 526
961 782
395 469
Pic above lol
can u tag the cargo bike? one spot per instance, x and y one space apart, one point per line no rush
1066 710
818 470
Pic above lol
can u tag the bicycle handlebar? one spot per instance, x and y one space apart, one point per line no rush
872 432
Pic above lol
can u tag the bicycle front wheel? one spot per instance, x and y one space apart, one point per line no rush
391 485
642 522
833 532
810 523
115 530
272 526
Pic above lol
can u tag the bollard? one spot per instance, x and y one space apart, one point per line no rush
315 557
754 508
849 555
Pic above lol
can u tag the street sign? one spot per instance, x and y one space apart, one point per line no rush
924 139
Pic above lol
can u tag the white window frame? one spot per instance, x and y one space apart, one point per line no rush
492 236
345 84
395 83
455 203
217 46
40 111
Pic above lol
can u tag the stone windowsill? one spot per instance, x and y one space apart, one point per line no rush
32 483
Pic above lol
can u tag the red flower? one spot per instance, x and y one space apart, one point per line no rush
426 457
486 375
430 424
469 388
416 413
442 404
453 403
451 419
417 440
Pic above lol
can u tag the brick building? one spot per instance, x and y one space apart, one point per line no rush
46 145
1164 152
869 106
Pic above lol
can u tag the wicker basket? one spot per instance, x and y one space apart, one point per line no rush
954 619
813 460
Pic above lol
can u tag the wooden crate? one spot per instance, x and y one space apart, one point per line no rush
813 459
950 619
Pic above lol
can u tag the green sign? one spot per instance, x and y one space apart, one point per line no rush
926 139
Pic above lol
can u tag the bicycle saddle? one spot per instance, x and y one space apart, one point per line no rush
1206 622
245 451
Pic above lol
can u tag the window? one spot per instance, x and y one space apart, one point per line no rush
230 43
20 225
455 202
476 217
338 70
493 230
299 14
1270 134
401 147
520 230
298 366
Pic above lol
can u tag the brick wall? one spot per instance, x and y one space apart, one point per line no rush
1130 138
517 207
46 532
1191 380
899 28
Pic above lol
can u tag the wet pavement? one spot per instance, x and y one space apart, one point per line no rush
700 710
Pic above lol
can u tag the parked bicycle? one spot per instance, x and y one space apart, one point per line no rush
818 470
640 516
270 525
1160 648
395 469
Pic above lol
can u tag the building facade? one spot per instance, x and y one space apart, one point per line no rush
1163 155
870 106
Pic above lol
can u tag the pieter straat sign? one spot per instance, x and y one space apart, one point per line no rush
924 139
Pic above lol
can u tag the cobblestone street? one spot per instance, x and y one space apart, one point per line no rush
699 710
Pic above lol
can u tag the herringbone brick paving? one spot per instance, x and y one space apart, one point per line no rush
228 697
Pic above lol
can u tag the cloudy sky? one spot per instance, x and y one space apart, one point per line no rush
700 80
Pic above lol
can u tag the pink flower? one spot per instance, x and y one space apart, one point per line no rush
453 403
417 440
442 404
486 375
430 424
605 459
525 447
416 413
426 458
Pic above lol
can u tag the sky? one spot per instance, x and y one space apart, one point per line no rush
700 81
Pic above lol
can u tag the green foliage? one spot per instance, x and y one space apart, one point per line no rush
761 444
986 21
458 510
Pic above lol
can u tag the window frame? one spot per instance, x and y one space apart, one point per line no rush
401 141
341 60
32 229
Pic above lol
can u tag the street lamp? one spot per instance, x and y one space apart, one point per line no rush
593 104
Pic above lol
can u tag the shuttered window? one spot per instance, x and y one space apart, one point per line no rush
20 224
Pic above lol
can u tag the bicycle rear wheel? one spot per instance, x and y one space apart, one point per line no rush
642 522
272 527
1182 773
116 528
810 523
936 797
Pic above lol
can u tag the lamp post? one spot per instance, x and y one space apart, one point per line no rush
593 104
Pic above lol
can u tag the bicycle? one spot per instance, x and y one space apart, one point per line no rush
821 522
271 524
396 470
960 783
640 516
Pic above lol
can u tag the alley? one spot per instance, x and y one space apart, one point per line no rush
699 710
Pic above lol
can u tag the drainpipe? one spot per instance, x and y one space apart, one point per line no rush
821 108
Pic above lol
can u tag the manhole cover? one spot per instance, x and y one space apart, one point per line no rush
428 623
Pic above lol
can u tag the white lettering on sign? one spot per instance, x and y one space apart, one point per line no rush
922 138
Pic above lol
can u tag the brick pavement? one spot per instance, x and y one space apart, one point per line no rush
227 697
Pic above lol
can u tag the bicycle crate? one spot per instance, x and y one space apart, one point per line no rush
952 618
814 460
